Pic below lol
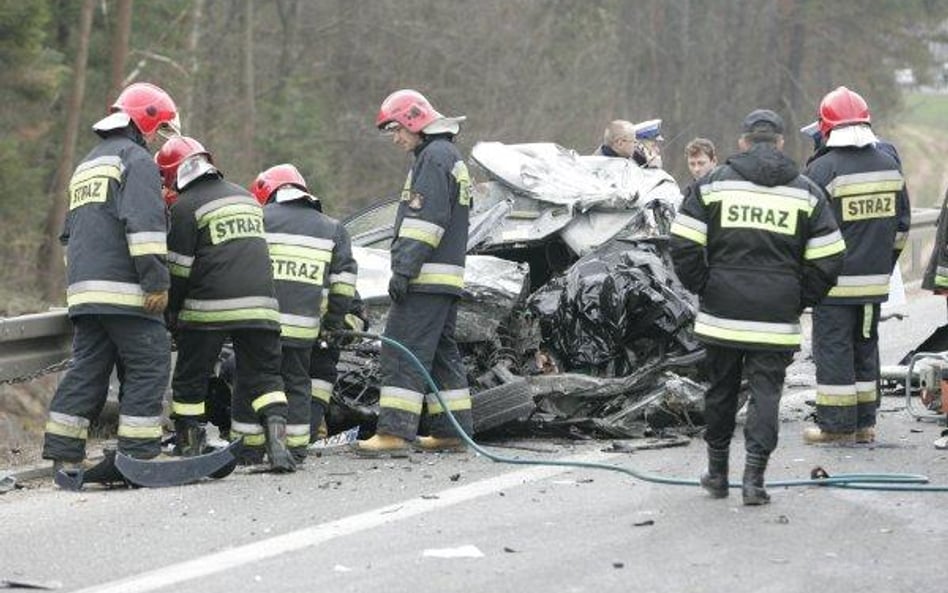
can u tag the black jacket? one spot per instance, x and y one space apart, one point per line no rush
115 230
871 206
313 268
758 243
220 266
431 224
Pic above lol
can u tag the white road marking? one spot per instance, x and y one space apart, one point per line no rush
320 534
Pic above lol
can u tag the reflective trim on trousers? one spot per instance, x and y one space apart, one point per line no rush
836 395
321 390
252 433
139 427
179 408
399 398
67 425
456 400
267 399
297 435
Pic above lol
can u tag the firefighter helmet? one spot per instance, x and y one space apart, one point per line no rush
149 107
273 179
174 152
842 107
408 108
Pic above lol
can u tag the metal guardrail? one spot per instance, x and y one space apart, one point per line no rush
30 344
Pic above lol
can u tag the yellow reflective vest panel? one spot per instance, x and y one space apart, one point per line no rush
313 268
871 205
221 276
115 229
757 243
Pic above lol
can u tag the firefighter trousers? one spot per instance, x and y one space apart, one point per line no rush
423 323
846 353
258 385
765 371
99 341
295 371
322 370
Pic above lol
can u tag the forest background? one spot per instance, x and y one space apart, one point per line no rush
269 81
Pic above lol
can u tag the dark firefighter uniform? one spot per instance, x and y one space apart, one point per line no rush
871 205
431 231
222 284
757 243
315 275
323 363
115 252
936 272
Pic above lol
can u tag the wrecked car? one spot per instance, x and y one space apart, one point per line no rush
571 320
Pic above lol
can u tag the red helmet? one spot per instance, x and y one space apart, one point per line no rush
842 107
273 179
173 153
149 107
408 108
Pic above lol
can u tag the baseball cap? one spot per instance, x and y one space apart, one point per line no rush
763 120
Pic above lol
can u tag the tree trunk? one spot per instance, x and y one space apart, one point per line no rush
249 90
123 31
51 254
189 119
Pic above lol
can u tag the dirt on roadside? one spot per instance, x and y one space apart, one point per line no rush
23 409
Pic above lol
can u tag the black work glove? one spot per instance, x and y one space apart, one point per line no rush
397 287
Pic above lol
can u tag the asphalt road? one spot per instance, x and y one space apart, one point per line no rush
445 523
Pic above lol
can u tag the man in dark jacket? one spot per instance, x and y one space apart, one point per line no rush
871 205
222 285
428 252
114 236
315 276
757 242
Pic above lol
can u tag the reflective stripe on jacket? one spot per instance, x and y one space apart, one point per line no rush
757 243
115 229
871 206
313 268
431 225
220 265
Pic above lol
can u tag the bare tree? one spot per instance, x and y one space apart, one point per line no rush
51 253
194 65
250 89
123 31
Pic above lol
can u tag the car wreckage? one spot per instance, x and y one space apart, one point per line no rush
572 320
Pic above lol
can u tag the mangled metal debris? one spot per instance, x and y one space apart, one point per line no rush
571 319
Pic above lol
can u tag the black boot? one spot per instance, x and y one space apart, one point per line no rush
281 461
190 438
753 486
715 480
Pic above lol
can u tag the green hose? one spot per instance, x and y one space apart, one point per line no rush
880 481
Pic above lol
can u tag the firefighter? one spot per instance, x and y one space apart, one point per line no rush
222 285
431 231
936 271
114 236
757 242
871 205
315 276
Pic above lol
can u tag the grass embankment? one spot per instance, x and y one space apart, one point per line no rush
920 132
